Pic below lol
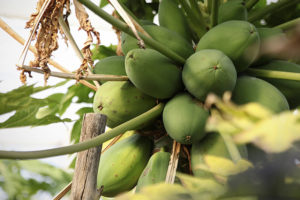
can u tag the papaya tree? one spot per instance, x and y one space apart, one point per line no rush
207 89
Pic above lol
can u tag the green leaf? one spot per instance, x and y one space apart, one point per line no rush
103 3
76 130
23 179
100 51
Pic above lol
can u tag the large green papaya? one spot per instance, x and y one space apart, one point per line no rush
113 65
121 165
210 157
289 88
155 171
172 17
153 73
232 10
250 89
169 38
184 119
208 71
239 40
120 101
267 35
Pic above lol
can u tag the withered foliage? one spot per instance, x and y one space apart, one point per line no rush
46 33
85 24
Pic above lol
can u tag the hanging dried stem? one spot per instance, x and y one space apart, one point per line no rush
46 31
85 24
119 51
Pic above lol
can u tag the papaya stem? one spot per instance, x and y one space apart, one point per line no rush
274 74
231 147
259 14
289 24
214 13
125 28
129 125
250 4
197 23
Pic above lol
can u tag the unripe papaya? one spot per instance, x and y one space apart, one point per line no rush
121 165
208 71
239 40
171 17
250 89
288 88
232 10
120 101
266 35
169 38
184 119
153 73
211 157
155 171
113 65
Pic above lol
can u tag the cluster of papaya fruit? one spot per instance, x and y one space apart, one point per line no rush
218 62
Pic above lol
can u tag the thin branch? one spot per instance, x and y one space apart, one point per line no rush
250 4
173 164
89 77
125 28
74 45
269 9
129 125
289 24
274 74
63 192
21 40
214 13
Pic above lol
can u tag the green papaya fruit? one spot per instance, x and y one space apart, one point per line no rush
172 17
121 165
250 89
239 40
265 35
232 10
210 157
155 171
170 39
208 71
184 119
153 73
112 65
120 101
288 88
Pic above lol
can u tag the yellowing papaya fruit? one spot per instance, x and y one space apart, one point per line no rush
289 88
121 165
239 40
172 17
155 171
210 158
250 89
208 71
184 119
121 101
153 73
232 10
113 65
169 38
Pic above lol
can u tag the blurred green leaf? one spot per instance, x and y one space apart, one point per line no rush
23 179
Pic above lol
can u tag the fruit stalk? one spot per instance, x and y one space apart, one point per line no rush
250 4
129 125
214 13
274 74
270 8
125 28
